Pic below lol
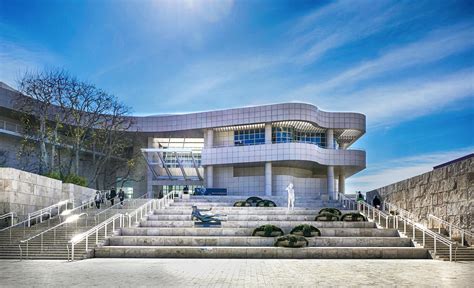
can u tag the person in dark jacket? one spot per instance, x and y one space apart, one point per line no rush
121 196
360 197
112 196
376 202
97 199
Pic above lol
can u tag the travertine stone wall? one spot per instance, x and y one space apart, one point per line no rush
78 193
23 192
446 192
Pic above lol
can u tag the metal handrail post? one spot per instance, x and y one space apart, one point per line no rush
413 225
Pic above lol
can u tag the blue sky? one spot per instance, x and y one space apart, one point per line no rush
407 65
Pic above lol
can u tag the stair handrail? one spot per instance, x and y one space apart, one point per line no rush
346 201
117 204
377 214
142 210
426 231
84 204
94 230
10 215
48 210
71 219
408 218
451 227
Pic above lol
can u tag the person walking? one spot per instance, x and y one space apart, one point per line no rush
121 196
112 196
98 199
360 198
376 202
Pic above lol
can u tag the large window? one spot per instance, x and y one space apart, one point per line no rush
282 134
289 134
249 137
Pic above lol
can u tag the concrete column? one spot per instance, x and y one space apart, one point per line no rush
268 133
268 179
210 138
342 182
209 176
331 182
330 139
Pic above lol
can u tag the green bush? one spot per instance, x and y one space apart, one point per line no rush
353 217
305 230
268 231
75 179
54 175
326 216
266 203
242 204
253 200
331 210
291 241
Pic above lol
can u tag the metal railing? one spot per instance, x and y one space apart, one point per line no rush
71 219
370 211
346 201
11 215
48 210
401 216
138 214
94 230
450 228
84 205
131 202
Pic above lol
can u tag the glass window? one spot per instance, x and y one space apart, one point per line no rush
249 137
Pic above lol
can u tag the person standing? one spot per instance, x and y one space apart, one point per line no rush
376 202
121 196
97 199
112 196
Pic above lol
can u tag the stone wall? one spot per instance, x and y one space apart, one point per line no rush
76 192
23 192
446 192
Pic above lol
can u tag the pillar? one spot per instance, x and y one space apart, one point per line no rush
209 176
330 139
210 138
331 182
342 182
268 179
268 133
210 168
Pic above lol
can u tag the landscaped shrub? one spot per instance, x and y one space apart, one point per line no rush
242 204
266 203
75 179
305 230
331 210
353 217
291 241
253 200
326 216
268 231
54 175
71 178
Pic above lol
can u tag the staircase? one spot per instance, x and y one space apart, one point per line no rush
170 233
53 244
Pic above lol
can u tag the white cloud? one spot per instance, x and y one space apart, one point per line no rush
16 60
384 173
437 45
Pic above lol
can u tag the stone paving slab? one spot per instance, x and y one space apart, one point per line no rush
235 273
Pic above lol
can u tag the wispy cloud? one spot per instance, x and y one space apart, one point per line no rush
16 60
388 172
437 45
338 24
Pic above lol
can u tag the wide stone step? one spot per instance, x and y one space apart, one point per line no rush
327 232
248 211
254 224
261 252
255 241
230 217
225 208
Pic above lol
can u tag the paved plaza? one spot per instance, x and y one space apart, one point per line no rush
235 273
